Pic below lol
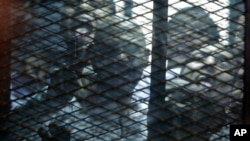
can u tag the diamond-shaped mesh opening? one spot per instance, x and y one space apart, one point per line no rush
81 70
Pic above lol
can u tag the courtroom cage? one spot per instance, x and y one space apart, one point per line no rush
127 70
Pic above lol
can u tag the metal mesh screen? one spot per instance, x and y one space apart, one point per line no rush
81 70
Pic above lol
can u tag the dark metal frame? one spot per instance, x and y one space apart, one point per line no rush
5 49
157 110
246 99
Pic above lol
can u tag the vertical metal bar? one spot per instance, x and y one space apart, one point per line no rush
157 110
128 6
236 7
246 99
5 47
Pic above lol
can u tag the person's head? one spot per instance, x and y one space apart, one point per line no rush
78 28
105 7
191 28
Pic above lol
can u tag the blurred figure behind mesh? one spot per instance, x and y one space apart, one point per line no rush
193 42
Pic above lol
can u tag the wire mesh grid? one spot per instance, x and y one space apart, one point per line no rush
80 70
